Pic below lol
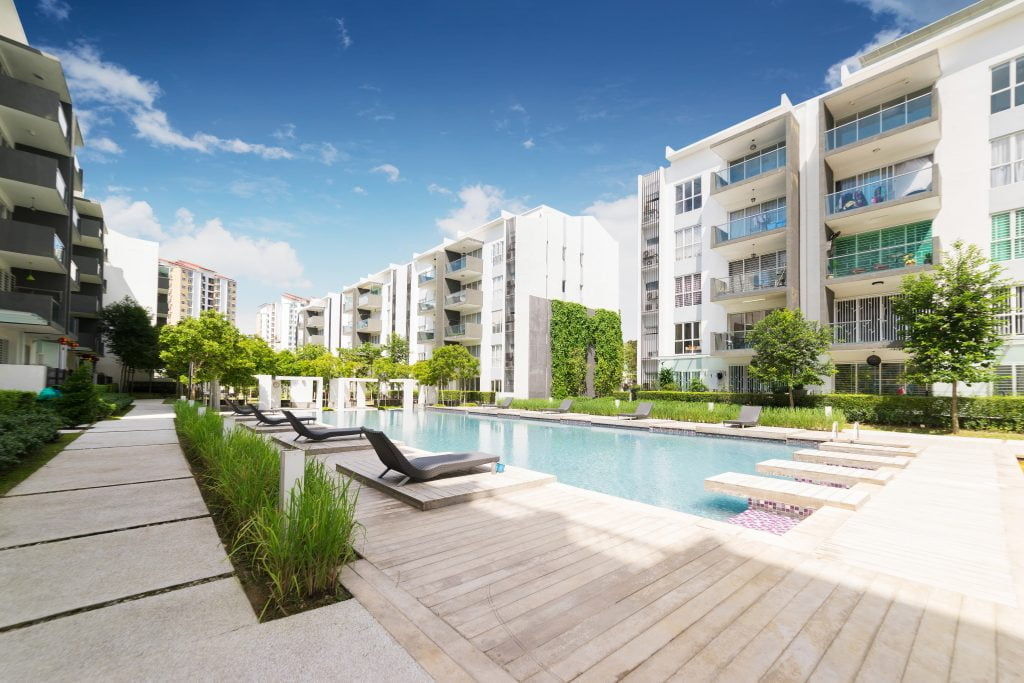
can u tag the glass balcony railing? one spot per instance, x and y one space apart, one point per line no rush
456 330
58 248
427 276
769 278
62 187
464 263
881 259
466 296
882 121
426 305
364 324
425 335
751 225
749 168
867 331
732 341
881 191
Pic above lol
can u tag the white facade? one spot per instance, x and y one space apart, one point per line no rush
277 323
825 205
476 290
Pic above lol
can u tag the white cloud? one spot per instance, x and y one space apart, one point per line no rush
434 188
480 203
324 152
184 221
529 143
619 218
392 172
358 190
111 86
55 9
833 77
285 132
518 107
343 37
105 146
264 188
134 218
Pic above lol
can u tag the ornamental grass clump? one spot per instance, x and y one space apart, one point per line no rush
297 554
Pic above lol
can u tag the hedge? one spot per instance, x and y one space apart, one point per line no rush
455 397
24 431
771 400
16 401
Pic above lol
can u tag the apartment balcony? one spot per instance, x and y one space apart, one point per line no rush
32 180
467 300
90 232
427 276
163 283
368 326
426 305
35 311
867 334
767 229
880 270
650 260
315 339
89 341
346 329
463 332
368 302
762 177
314 321
85 305
79 176
75 280
730 342
757 286
465 269
425 336
900 199
161 307
30 246
33 116
900 131
650 302
89 269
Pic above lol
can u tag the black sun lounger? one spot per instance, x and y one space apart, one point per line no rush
264 419
425 467
319 433
240 408
503 404
563 407
642 412
749 416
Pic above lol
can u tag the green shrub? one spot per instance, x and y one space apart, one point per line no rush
299 555
24 431
778 400
16 401
454 397
79 401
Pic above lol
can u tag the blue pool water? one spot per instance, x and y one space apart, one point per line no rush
659 469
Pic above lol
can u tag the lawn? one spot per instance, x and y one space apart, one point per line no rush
29 464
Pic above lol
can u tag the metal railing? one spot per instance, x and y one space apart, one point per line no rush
364 324
425 335
867 331
463 297
769 278
427 276
881 191
731 341
58 248
750 168
1011 323
751 225
887 119
884 258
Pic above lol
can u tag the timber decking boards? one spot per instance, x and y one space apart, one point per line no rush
343 444
870 462
868 449
818 472
781 491
364 466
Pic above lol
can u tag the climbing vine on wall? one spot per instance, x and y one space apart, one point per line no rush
572 334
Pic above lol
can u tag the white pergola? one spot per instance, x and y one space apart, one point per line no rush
307 390
342 387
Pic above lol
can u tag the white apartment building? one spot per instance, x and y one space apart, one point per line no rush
277 323
319 322
825 205
490 290
190 289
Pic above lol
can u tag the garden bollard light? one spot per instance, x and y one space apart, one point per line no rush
202 410
711 406
293 469
828 411
856 430
835 430
229 425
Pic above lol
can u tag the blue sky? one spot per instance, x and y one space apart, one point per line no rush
295 146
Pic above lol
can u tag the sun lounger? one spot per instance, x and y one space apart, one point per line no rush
319 433
264 419
504 404
749 416
424 467
642 412
240 409
563 407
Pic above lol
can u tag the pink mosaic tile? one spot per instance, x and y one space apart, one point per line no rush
764 521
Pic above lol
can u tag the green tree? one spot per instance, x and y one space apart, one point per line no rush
201 349
788 350
255 357
397 349
360 359
130 336
452 363
951 323
79 401
629 351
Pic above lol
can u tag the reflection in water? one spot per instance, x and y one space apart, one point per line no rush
658 469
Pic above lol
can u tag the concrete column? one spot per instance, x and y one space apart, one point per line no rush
266 390
408 385
360 395
337 386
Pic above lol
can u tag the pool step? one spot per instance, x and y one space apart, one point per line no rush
787 492
833 474
869 449
869 462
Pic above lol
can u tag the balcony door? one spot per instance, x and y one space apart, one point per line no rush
864 320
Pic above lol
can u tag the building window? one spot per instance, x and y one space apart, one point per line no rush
742 382
498 252
886 378
1007 85
497 292
684 378
688 242
1008 235
687 338
688 196
688 290
1011 322
1009 381
496 326
1007 160
5 351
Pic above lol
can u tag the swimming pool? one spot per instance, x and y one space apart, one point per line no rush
659 469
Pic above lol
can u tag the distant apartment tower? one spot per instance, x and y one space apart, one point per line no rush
184 290
826 205
52 238
277 323
319 322
489 289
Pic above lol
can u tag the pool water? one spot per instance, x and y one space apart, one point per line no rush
658 469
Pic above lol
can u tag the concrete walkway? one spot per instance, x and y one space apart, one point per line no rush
111 568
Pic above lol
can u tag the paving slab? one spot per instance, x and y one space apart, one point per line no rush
51 516
106 467
113 439
41 580
130 424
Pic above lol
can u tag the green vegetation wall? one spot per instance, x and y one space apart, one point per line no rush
573 333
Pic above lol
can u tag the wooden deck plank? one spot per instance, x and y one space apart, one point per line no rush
890 649
931 654
974 655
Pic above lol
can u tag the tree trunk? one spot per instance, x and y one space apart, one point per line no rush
953 411
792 404
191 386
